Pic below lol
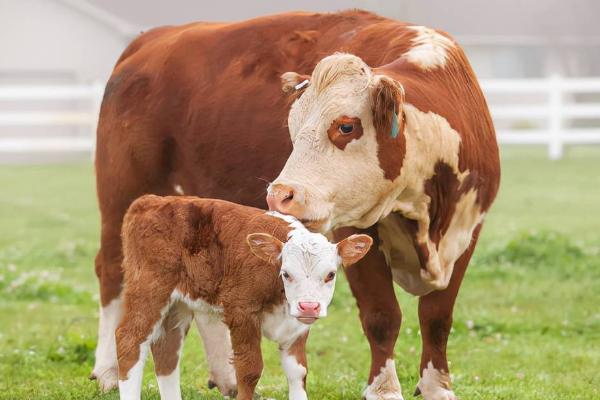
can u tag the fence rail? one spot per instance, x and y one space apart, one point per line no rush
558 107
557 110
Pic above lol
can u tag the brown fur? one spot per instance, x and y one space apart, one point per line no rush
197 247
200 106
340 140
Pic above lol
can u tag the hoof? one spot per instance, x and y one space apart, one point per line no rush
107 379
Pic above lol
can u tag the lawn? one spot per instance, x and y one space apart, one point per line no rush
527 322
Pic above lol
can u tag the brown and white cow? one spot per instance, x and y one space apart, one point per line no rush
391 135
258 273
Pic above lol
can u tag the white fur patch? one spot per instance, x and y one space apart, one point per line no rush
430 139
178 189
429 48
435 385
385 386
295 373
168 385
131 388
280 327
219 353
105 369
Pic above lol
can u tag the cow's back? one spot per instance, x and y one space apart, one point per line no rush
199 109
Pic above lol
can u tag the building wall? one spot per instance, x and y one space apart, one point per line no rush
45 40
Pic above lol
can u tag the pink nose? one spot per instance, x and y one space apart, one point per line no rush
285 199
309 308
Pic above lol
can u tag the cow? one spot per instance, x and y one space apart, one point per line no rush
383 130
261 273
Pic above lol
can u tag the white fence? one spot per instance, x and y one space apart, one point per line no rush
558 109
85 117
553 107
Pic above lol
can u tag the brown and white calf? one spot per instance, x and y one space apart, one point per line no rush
258 273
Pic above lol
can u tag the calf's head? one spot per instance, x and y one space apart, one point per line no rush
347 146
309 265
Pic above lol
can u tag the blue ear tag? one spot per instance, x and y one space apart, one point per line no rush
395 127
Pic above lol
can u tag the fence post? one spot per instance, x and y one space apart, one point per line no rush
97 94
555 143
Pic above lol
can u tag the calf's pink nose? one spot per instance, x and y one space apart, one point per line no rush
311 308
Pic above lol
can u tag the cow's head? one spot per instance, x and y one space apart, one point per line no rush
347 146
309 264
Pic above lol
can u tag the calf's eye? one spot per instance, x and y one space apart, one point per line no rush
330 277
346 129
286 276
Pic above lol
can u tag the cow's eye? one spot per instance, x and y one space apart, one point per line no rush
346 129
286 276
330 277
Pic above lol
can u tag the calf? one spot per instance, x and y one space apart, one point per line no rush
187 257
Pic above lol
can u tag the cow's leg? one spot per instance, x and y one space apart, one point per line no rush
108 270
121 177
293 361
372 285
219 354
245 339
435 318
166 351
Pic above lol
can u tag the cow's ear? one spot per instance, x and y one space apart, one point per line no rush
265 247
387 99
353 248
293 81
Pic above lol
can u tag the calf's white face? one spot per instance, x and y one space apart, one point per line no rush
309 265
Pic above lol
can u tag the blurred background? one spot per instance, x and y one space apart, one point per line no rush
538 62
527 322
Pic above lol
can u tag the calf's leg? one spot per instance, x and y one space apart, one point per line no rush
245 339
372 285
435 318
293 361
166 351
143 314
219 354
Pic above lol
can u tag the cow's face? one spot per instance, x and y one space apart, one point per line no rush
346 146
309 265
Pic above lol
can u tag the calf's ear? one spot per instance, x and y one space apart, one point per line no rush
293 81
353 248
265 247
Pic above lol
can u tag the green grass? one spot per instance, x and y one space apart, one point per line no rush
527 321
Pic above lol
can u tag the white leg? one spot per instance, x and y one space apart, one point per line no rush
435 385
105 369
295 372
169 386
385 386
219 354
131 388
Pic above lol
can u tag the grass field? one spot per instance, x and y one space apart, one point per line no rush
527 322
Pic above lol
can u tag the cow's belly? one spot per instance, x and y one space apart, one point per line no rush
398 248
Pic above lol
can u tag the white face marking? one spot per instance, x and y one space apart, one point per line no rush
430 48
339 187
295 373
309 265
385 385
435 385
105 368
